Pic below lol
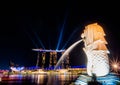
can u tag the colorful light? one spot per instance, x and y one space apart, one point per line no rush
115 65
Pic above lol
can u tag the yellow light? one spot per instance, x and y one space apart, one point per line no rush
115 66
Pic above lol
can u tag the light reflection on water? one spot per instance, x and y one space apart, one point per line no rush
50 78
54 78
39 79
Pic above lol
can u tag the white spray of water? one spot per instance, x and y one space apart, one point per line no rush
67 53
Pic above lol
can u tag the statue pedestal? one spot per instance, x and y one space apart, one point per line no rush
110 79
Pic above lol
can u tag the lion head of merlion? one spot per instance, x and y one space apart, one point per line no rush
94 34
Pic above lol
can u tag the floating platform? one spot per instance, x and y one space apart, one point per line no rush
110 79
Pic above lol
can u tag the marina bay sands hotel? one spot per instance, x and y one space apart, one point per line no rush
49 58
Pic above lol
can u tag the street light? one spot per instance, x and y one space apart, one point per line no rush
115 65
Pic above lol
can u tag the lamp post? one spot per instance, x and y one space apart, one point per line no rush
116 67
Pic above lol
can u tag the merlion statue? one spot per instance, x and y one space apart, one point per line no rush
96 50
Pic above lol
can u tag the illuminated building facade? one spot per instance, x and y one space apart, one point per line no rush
96 50
53 58
65 63
43 59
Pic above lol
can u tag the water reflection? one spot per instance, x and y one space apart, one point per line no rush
39 79
48 78
54 78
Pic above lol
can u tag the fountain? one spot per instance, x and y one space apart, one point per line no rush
67 53
96 51
98 69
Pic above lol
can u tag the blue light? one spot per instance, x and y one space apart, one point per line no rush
20 68
81 66
60 37
61 32
31 39
39 40
69 38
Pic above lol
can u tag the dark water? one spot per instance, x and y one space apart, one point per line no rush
42 79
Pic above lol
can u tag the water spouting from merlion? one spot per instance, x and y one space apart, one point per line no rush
67 52
95 49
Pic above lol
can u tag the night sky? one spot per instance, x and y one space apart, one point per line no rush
27 26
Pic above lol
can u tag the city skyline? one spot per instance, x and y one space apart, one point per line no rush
52 26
